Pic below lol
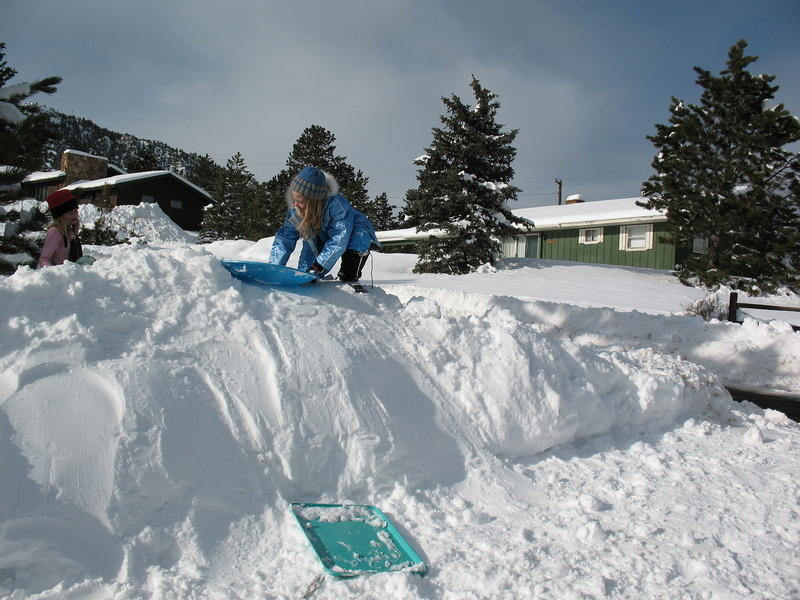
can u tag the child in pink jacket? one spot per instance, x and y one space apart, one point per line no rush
61 241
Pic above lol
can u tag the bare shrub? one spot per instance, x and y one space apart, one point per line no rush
709 307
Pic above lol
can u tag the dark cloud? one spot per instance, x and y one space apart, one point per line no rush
583 81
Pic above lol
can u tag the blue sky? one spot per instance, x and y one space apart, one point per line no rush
584 81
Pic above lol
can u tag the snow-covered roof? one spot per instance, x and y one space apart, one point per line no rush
79 153
127 178
407 235
42 176
600 212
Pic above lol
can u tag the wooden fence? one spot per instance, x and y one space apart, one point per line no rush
734 306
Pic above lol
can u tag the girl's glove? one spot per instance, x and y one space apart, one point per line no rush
316 269
85 260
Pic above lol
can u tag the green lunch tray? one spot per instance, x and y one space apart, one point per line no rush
353 539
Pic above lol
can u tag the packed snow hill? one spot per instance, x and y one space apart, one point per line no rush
535 430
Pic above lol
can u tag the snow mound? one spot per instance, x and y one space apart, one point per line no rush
153 388
145 221
157 416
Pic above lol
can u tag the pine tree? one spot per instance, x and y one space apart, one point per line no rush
382 213
239 208
24 131
354 188
143 159
464 187
204 172
315 146
723 175
256 225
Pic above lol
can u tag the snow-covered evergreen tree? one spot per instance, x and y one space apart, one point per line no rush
464 187
723 175
315 146
24 131
239 207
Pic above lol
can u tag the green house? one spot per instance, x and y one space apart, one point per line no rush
613 232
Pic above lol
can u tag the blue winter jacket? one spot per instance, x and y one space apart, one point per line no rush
343 228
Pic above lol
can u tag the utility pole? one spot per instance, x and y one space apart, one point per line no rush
560 183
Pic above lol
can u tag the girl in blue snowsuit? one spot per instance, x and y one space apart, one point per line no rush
329 227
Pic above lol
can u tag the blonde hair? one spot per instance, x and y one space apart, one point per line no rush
312 218
309 223
64 226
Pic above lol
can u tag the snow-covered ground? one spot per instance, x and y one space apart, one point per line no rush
543 430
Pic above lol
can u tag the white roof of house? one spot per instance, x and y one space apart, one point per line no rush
623 210
37 176
600 212
127 178
80 153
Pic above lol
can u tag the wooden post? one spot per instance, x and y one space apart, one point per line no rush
732 308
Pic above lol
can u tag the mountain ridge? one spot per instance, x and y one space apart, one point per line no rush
79 133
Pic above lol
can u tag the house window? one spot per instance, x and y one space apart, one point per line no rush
590 236
509 247
633 238
514 247
176 204
522 246
148 199
700 246
532 246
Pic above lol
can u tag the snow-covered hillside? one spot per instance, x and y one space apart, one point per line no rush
119 148
542 430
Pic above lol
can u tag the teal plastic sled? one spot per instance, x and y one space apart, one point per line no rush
354 539
252 271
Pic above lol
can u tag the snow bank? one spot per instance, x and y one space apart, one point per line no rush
151 405
157 417
755 355
146 221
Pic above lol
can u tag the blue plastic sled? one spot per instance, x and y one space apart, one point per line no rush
262 273
354 539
